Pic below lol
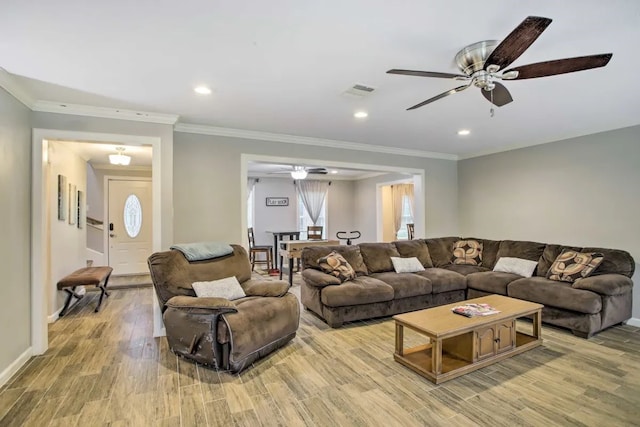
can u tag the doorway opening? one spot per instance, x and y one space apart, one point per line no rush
50 261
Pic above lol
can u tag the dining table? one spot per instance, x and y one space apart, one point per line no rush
278 236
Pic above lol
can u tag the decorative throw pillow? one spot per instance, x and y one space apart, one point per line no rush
228 288
467 252
570 265
406 265
335 265
519 266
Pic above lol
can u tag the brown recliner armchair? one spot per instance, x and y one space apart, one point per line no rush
227 335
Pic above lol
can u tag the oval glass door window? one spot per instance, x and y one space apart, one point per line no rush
132 215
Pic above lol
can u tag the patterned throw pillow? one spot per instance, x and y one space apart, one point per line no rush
337 266
570 265
467 252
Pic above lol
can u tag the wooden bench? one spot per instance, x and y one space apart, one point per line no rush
97 276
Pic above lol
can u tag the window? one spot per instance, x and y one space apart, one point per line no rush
406 219
250 209
132 216
304 220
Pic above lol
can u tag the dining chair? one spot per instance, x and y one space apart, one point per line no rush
314 232
410 231
254 250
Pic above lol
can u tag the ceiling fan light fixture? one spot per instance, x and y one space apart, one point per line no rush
202 90
298 172
464 132
119 158
360 114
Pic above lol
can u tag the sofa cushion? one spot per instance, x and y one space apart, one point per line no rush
441 249
464 269
489 252
494 282
406 265
377 256
615 261
351 253
405 284
467 252
570 266
361 290
520 249
555 294
335 265
414 248
519 266
444 280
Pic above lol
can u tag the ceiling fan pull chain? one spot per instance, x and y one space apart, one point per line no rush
491 112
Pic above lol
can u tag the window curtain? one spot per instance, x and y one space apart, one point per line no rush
398 193
251 182
312 192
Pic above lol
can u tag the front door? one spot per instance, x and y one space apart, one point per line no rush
129 225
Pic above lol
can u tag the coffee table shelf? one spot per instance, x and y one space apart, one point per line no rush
458 345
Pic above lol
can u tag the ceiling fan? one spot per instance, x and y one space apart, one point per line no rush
483 63
301 172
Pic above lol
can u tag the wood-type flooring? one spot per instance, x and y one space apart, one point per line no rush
106 369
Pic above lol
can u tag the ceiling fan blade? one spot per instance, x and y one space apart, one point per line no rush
427 74
501 95
517 41
442 95
561 66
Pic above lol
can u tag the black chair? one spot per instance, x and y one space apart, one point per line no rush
261 249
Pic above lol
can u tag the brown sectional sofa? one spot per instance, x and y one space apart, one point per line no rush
586 306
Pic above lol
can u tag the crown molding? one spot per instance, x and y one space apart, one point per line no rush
306 140
104 112
9 83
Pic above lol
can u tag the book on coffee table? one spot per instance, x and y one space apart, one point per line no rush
474 309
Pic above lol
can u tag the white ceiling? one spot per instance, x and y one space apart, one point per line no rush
280 66
97 154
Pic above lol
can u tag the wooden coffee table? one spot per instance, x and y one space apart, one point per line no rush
458 345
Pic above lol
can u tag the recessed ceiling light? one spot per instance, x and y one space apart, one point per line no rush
202 90
463 132
334 171
360 114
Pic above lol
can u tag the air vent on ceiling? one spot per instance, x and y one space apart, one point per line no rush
359 90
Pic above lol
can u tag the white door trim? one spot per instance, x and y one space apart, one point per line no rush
105 207
39 250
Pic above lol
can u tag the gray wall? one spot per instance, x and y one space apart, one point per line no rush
580 191
207 183
15 215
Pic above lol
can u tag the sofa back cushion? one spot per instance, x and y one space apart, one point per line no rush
414 248
521 249
615 261
172 274
489 251
310 256
441 250
377 256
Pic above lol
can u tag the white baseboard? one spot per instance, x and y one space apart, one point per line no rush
634 322
53 317
15 366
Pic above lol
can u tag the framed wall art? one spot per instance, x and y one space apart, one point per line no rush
62 197
80 210
73 203
277 201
